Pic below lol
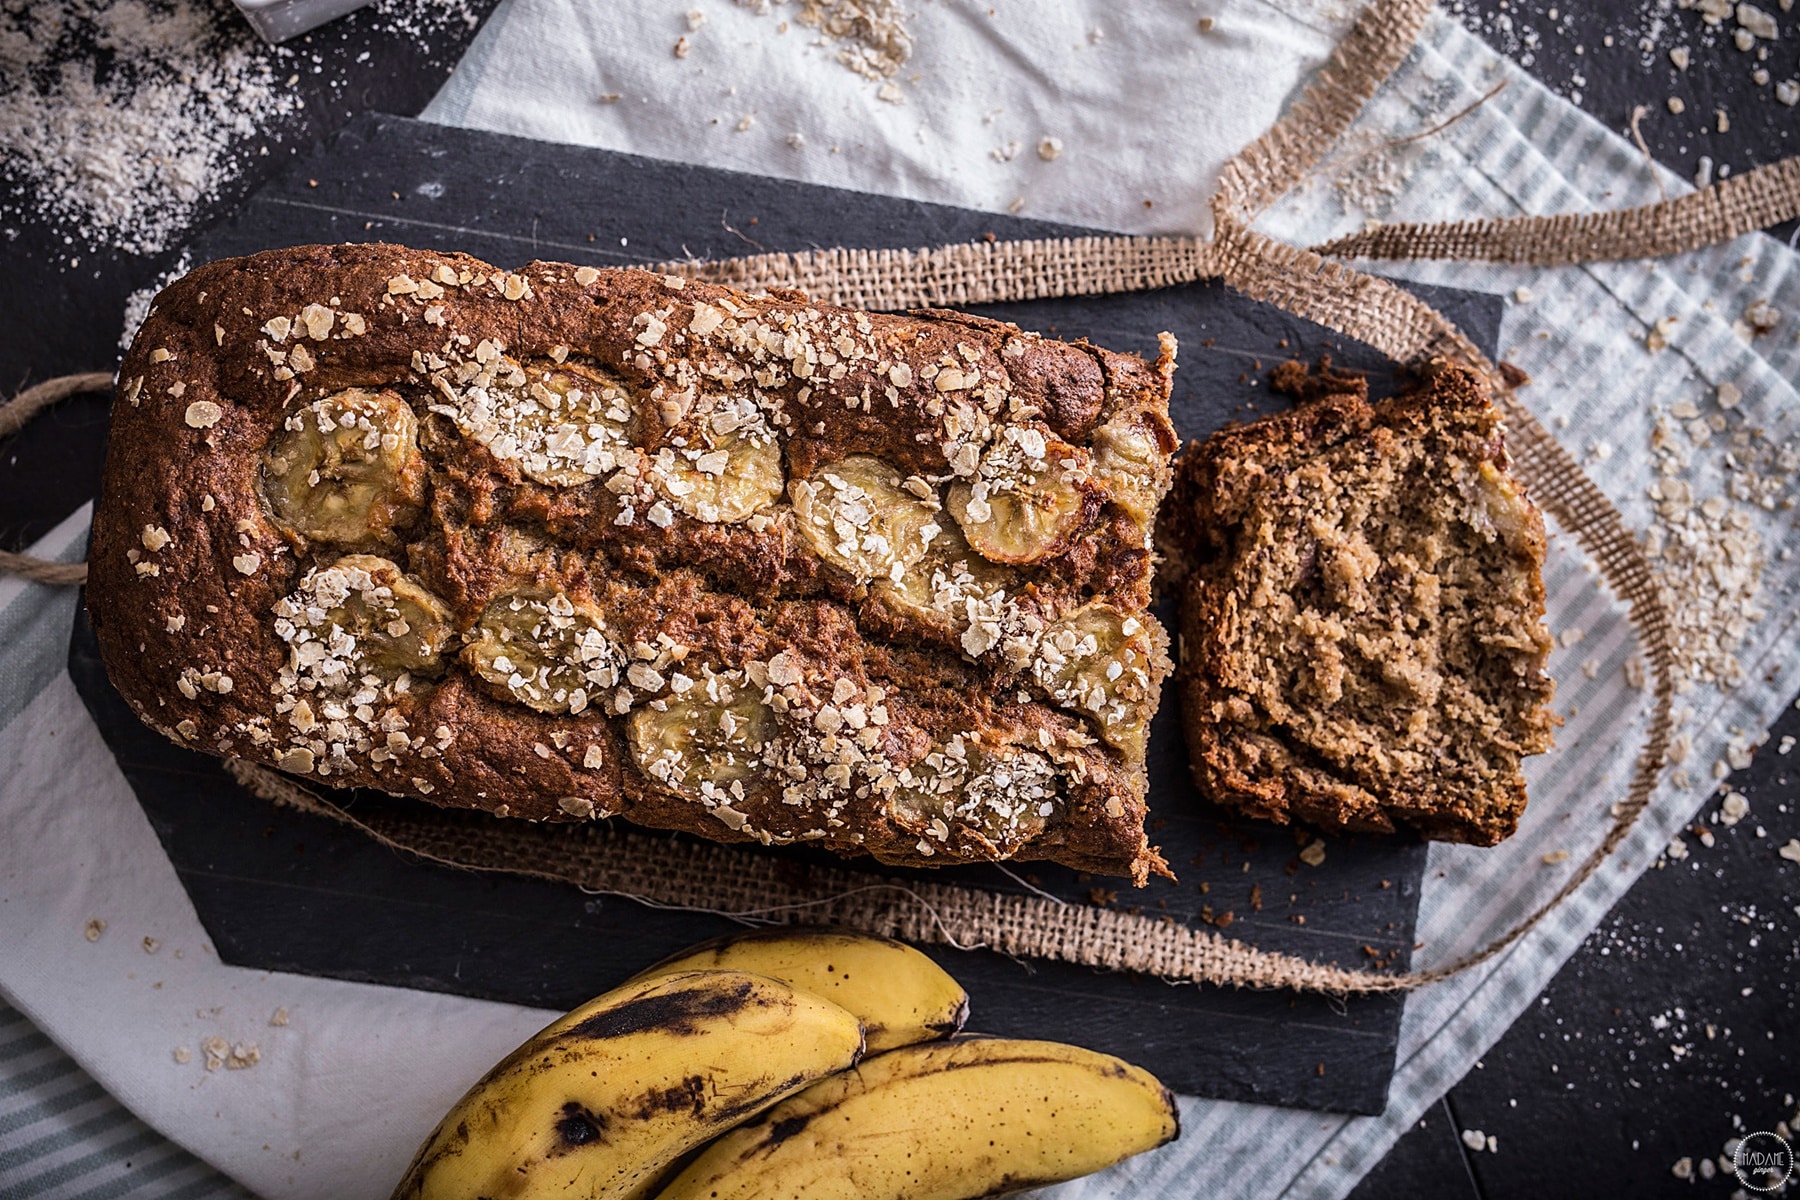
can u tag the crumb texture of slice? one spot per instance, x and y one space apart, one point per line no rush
565 543
1362 638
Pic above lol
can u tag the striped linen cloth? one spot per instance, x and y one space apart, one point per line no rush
1580 332
63 1137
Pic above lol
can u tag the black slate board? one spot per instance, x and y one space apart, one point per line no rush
282 891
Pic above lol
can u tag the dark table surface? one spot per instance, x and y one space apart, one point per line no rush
1673 1027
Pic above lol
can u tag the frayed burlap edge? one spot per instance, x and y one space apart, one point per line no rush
1742 204
757 889
754 888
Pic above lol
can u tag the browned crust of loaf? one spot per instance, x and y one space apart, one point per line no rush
1245 761
736 595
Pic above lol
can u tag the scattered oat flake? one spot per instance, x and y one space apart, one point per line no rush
203 414
151 945
1791 851
183 1055
1050 149
1756 22
1761 317
1556 856
94 929
1734 809
1474 1139
280 1018
1658 337
1314 853
870 37
577 806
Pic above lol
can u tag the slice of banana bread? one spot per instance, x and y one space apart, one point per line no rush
1362 637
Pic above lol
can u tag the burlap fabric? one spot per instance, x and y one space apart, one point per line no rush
1305 282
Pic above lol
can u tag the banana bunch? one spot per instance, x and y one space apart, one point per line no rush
737 1069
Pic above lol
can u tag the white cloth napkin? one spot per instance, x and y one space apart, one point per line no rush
1145 106
1142 105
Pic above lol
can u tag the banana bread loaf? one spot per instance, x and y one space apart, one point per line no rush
569 543
1362 637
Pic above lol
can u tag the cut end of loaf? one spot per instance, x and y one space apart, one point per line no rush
1362 637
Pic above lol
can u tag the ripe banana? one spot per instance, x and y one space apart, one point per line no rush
898 994
604 1099
943 1121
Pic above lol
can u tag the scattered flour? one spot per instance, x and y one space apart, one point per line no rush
137 305
116 118
119 119
1714 468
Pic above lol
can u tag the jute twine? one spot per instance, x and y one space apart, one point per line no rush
14 415
757 888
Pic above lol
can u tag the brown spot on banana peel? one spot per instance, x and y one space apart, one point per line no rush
782 1130
674 1012
690 1095
733 1113
577 1127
